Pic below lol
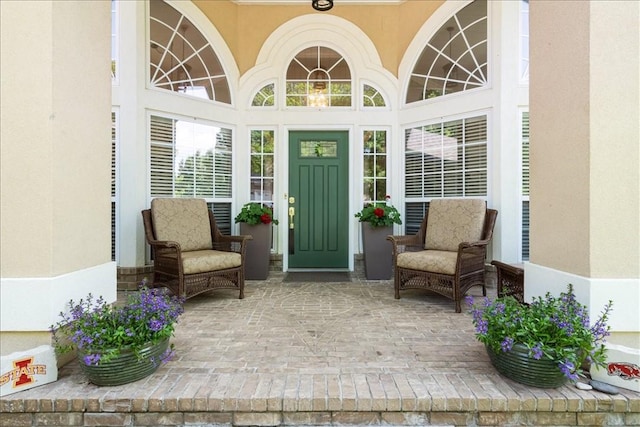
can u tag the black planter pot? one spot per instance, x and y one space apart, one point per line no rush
258 251
378 261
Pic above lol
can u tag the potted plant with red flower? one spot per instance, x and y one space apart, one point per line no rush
256 220
377 223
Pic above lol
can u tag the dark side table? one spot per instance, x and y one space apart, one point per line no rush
510 280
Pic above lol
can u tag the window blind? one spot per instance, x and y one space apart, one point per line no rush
525 186
447 159
189 159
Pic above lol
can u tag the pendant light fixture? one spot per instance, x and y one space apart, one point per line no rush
322 5
317 97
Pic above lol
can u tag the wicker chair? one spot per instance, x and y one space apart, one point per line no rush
447 255
510 280
190 255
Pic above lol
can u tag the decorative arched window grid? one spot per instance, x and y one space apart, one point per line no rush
181 58
318 77
455 59
265 97
371 97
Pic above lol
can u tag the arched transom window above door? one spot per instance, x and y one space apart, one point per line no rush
181 59
455 59
318 77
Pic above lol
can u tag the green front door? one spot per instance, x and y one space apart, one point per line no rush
318 194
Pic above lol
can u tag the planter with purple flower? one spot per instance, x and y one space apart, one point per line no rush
118 344
542 344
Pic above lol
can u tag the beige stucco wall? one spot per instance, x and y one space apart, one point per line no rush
26 190
246 27
584 109
56 137
615 139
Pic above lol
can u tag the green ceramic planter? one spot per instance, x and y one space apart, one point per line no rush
126 367
518 366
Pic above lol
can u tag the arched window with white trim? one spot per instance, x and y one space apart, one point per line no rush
265 96
318 77
371 97
182 59
455 58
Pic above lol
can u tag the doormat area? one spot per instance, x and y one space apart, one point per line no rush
317 276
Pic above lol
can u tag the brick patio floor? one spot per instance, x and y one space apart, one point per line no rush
319 354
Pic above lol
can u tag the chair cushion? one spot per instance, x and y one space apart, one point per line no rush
443 262
194 262
453 221
185 221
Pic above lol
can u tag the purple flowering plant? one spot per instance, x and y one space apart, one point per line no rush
100 331
556 328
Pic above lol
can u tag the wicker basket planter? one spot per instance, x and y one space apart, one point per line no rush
126 367
518 366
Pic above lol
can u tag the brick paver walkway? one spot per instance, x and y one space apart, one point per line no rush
319 354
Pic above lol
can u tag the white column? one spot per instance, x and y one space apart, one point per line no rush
133 164
509 94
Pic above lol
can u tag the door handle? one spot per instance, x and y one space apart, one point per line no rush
292 213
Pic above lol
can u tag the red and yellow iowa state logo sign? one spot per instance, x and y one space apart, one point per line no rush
23 372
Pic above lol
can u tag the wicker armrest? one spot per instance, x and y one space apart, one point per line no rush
405 244
472 250
231 243
478 244
164 244
510 280
513 269
404 240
